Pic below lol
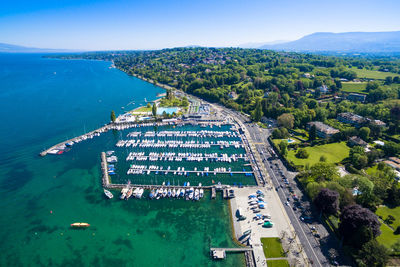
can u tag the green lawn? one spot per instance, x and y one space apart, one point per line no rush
352 87
372 74
272 247
334 153
143 109
387 237
385 211
278 263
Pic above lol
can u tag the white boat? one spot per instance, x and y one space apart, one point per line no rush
201 193
165 192
129 193
123 193
178 192
140 193
191 193
108 194
135 192
188 184
196 194
173 192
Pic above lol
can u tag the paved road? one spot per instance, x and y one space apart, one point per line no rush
314 237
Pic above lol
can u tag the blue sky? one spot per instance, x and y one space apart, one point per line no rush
153 24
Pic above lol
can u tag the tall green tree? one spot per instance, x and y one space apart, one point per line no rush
258 113
312 133
283 147
113 117
286 120
154 110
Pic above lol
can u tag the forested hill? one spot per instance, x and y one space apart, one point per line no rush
280 82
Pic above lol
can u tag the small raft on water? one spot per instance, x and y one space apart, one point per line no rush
80 225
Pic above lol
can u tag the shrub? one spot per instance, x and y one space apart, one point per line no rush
302 154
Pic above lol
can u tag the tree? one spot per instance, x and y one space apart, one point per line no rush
283 147
322 158
154 110
364 133
113 117
358 157
258 111
372 85
396 246
373 254
312 133
302 154
286 120
358 225
148 105
323 172
366 187
280 133
327 201
388 80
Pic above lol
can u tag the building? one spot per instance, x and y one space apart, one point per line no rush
356 97
232 95
378 123
323 89
393 163
357 141
351 118
323 130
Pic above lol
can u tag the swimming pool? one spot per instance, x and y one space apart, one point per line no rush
169 110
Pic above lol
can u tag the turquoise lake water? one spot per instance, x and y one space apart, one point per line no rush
45 101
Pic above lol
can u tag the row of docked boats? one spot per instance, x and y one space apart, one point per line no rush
185 192
202 133
152 143
144 169
172 156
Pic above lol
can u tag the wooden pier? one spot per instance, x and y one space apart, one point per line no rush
213 192
155 186
225 193
243 249
144 171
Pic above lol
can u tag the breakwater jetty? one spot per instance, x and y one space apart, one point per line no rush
105 176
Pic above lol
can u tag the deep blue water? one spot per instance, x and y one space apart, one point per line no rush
44 101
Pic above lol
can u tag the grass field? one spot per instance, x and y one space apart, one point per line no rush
352 87
385 211
334 153
387 237
373 74
143 109
272 248
278 263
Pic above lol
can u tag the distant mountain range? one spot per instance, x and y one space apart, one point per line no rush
258 45
9 48
361 42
